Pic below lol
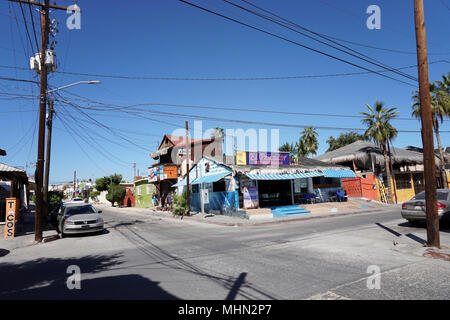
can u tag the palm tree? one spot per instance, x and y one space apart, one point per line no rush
440 109
217 133
287 147
381 131
308 143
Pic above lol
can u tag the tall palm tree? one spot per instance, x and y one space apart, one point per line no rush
287 147
440 109
217 133
308 143
381 131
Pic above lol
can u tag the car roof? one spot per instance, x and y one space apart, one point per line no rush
77 204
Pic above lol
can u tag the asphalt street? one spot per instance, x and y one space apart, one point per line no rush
142 256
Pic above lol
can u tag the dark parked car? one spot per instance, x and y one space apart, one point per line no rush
414 209
78 218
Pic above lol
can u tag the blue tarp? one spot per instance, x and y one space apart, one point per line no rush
339 173
205 179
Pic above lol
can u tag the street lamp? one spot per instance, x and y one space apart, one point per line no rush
74 84
49 137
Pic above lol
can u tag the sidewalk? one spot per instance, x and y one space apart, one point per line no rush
24 235
324 210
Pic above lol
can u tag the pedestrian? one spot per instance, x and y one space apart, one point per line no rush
163 201
154 200
169 201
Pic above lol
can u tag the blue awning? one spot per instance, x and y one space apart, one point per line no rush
284 176
210 178
339 173
205 179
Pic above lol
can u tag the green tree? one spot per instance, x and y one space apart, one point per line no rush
287 147
94 194
103 183
308 143
440 109
116 193
381 131
344 139
179 204
54 199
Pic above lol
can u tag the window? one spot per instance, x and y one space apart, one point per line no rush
149 188
219 186
403 181
195 188
139 191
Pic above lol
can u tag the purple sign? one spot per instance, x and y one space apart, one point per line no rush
268 158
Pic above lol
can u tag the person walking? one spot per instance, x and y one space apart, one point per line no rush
169 201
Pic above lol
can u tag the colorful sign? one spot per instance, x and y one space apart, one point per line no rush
162 173
268 158
293 158
250 197
241 158
11 213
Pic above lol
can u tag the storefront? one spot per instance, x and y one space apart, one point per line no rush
224 187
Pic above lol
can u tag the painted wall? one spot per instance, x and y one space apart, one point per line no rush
143 195
402 194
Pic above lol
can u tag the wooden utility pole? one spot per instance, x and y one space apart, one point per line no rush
47 157
48 150
433 238
41 206
187 171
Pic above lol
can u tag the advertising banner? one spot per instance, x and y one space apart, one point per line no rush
162 172
293 158
241 158
250 197
10 221
268 158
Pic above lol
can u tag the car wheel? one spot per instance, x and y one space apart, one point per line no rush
414 223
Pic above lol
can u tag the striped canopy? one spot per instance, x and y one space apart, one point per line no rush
284 176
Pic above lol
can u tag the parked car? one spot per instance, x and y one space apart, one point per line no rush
76 200
75 218
414 209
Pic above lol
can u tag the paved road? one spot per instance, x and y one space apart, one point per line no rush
141 256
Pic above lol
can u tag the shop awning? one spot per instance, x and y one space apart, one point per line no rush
205 179
339 173
211 178
284 176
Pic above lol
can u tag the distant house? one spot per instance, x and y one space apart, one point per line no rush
367 160
14 182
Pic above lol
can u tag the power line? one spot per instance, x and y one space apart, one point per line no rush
445 5
131 77
282 22
296 43
32 24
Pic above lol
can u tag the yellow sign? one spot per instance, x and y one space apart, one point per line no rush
10 222
241 158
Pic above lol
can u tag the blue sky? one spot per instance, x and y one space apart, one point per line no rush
171 39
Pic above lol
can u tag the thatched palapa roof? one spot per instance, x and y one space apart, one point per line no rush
362 151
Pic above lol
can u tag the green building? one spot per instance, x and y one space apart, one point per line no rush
143 193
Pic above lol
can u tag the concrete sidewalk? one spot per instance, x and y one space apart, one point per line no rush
323 210
24 235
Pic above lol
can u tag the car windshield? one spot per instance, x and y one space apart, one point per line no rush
441 195
77 199
70 211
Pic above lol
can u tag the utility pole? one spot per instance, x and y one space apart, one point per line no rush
134 170
187 171
41 206
48 150
74 182
433 238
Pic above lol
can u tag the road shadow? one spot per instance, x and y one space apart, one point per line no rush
388 229
444 226
47 279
